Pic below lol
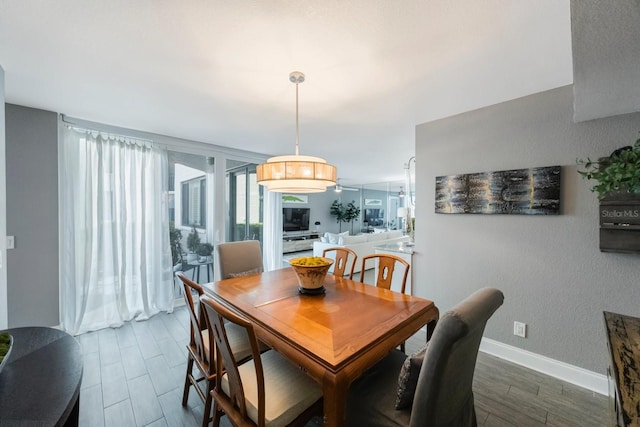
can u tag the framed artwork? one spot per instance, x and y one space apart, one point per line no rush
372 202
295 198
534 191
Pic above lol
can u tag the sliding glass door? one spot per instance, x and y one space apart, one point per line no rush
190 201
245 199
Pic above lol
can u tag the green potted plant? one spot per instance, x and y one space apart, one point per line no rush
175 239
6 341
617 174
344 213
204 250
352 213
617 182
193 241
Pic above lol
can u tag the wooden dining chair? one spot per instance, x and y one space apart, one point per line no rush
386 267
342 260
264 391
201 349
239 258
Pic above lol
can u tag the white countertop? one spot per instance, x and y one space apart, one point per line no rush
401 247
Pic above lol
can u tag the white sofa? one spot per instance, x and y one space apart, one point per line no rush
362 244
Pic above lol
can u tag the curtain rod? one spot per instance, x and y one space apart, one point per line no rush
171 143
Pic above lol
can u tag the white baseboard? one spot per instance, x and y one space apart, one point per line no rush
555 368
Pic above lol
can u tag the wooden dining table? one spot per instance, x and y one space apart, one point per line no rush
334 337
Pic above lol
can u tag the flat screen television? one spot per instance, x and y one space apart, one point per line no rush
374 217
295 219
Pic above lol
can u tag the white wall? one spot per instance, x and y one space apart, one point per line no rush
549 267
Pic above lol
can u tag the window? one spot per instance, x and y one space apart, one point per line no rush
194 202
245 202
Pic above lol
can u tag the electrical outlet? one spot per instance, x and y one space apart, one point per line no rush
11 242
520 329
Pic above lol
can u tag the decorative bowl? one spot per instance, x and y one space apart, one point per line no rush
311 272
6 342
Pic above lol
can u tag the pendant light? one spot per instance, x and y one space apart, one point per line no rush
296 173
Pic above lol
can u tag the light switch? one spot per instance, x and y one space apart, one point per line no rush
11 242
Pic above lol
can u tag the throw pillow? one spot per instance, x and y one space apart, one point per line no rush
350 240
335 238
324 239
332 238
376 237
245 273
408 378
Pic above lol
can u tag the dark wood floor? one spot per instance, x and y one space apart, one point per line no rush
133 376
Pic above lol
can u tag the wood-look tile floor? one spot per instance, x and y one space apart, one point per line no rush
133 376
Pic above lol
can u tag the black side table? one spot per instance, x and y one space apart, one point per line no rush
195 275
40 384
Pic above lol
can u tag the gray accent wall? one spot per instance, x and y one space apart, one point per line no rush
3 211
606 57
549 267
32 216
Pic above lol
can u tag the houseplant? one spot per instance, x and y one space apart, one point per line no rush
204 250
175 239
6 341
193 241
343 213
618 173
618 186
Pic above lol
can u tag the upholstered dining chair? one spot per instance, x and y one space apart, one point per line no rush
201 350
239 258
267 390
387 264
342 260
433 389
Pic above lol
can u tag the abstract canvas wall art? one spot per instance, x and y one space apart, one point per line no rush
534 191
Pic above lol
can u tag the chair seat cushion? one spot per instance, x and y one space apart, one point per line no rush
288 390
372 397
238 341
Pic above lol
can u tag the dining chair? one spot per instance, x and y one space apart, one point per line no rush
239 258
201 349
433 388
386 266
342 260
266 390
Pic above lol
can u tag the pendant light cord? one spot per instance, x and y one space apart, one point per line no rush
297 124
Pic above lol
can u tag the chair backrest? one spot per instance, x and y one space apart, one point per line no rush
219 317
342 260
239 258
386 267
444 391
197 321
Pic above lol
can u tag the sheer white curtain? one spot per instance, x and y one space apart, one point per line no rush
114 234
272 244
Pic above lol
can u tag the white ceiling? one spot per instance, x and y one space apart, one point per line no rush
217 71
